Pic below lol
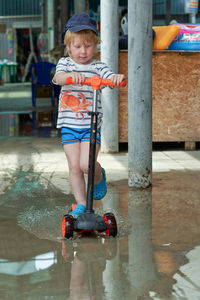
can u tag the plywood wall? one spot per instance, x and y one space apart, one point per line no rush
176 97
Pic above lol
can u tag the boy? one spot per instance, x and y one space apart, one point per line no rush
80 39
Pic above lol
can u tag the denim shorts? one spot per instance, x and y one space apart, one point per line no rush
74 135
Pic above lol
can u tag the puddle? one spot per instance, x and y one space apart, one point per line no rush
25 123
155 255
46 223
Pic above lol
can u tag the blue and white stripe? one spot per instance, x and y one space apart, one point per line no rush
67 118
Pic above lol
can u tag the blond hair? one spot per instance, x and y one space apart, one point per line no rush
85 35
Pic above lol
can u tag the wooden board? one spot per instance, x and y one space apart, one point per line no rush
176 97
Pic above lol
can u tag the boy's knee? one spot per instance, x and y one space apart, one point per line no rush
74 168
84 167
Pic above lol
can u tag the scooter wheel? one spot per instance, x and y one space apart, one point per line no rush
67 226
111 224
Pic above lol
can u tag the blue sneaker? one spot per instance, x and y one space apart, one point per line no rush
77 211
100 189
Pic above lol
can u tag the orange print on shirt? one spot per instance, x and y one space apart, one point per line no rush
74 103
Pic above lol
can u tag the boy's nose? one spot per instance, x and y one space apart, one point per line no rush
83 49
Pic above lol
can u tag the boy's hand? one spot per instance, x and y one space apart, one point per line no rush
117 78
77 77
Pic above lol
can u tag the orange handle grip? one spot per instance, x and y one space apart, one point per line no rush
69 80
108 82
123 83
96 81
86 81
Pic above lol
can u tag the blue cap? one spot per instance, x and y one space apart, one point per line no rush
80 22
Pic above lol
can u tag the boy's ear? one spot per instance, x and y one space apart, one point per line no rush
68 48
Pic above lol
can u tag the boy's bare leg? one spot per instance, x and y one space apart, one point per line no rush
76 175
84 160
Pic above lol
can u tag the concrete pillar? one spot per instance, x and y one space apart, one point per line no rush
140 93
109 55
50 23
79 6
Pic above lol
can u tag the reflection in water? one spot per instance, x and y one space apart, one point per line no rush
112 273
187 277
28 265
44 261
112 277
35 264
141 269
93 267
89 259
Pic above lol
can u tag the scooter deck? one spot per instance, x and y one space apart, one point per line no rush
90 221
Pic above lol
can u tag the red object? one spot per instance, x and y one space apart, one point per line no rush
67 226
111 224
96 81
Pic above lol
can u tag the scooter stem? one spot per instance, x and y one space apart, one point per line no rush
92 153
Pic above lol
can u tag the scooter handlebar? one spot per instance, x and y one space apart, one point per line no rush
96 82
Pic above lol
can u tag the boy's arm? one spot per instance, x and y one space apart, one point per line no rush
117 78
106 73
61 77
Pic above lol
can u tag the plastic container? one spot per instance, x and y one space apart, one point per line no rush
164 36
188 38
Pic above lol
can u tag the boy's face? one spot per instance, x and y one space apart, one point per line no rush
81 51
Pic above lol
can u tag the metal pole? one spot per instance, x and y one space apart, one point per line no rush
109 55
192 18
64 13
168 12
44 15
64 16
50 22
91 169
79 6
56 24
140 93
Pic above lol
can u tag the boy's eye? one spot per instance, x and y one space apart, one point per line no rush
79 46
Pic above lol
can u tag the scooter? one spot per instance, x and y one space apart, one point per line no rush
89 221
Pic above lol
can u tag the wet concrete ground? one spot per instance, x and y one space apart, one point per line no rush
156 254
